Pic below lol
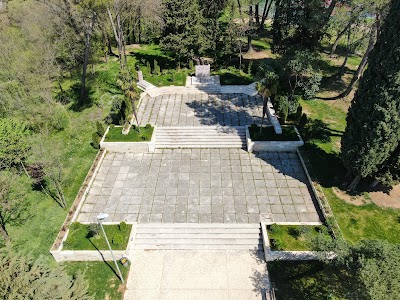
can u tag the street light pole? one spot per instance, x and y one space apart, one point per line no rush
101 218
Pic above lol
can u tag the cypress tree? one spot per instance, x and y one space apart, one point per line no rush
373 121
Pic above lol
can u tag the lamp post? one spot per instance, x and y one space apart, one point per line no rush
101 217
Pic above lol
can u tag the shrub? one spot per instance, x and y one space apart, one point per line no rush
93 230
282 107
96 140
157 69
274 228
191 64
305 230
74 226
294 232
118 239
303 121
100 128
250 67
299 114
59 119
148 126
122 226
277 244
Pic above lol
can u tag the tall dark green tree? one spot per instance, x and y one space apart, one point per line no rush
373 121
184 31
300 23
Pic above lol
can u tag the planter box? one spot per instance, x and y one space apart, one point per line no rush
279 146
138 147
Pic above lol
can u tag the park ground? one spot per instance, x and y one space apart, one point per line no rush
363 215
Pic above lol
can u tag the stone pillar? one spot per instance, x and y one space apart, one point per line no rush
140 76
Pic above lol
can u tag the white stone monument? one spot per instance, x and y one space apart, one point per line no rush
203 71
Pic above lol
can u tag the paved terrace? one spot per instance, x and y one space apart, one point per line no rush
200 185
201 109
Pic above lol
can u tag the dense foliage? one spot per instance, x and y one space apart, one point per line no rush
373 121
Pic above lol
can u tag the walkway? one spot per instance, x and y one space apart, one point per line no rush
200 186
197 275
201 109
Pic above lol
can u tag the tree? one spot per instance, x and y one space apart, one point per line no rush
300 74
23 278
13 207
373 120
13 143
300 23
184 32
373 264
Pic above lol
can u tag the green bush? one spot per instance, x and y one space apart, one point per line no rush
118 239
305 230
93 230
274 228
148 126
276 244
100 128
250 67
122 226
96 140
59 119
282 107
191 64
157 69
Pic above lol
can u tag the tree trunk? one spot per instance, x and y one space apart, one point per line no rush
249 46
257 14
86 59
240 11
265 14
339 37
354 183
374 183
3 231
361 67
341 72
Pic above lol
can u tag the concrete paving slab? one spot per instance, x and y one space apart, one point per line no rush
191 274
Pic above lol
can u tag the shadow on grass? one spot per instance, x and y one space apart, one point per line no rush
102 257
165 62
311 280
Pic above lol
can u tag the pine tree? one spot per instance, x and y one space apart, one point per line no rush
22 278
184 31
373 121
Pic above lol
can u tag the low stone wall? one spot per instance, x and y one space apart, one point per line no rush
136 147
279 146
273 118
87 255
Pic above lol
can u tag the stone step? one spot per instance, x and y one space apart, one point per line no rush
200 225
198 247
198 236
201 137
236 236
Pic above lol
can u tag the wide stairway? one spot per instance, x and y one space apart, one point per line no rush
198 236
201 137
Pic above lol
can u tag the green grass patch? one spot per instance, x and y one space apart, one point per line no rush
234 76
262 43
294 238
356 222
115 134
311 280
90 237
168 77
268 133
102 278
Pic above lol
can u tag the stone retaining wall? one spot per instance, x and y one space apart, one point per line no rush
279 146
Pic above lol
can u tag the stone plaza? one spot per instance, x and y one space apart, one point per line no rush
200 186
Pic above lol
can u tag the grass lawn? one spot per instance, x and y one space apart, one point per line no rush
79 237
294 238
268 134
356 222
115 135
169 77
233 76
310 280
102 276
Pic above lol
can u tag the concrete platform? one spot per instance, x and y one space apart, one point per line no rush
200 186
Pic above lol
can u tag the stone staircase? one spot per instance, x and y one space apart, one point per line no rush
201 137
198 236
249 90
149 88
